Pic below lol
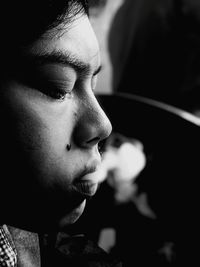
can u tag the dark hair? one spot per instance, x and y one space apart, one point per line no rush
24 21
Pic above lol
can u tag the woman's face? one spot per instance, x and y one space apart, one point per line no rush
48 104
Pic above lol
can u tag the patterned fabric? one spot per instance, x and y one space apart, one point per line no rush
8 254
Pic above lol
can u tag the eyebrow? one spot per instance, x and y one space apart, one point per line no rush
65 58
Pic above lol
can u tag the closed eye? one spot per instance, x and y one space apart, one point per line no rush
55 89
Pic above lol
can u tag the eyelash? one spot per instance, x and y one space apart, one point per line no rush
55 91
57 94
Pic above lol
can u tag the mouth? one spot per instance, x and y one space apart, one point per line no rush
86 188
87 183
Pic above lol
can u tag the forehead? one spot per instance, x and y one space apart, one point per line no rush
77 39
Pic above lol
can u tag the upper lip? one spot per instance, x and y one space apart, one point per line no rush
93 167
90 169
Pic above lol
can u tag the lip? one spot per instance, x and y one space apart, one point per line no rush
87 182
86 188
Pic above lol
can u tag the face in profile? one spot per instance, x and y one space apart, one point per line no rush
48 104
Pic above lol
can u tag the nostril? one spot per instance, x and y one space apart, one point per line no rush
101 146
93 141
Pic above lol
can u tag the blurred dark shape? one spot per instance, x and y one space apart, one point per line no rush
97 3
163 59
96 7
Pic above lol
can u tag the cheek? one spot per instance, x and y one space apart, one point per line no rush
36 135
44 143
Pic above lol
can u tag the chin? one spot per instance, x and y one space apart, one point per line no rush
73 216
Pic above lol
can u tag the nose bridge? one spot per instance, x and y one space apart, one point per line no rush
101 118
94 124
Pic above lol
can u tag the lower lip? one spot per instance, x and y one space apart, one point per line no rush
86 187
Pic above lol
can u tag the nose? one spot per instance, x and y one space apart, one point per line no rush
93 124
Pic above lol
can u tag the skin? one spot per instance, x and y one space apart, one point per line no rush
53 105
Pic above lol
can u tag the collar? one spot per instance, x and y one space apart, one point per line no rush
25 246
8 253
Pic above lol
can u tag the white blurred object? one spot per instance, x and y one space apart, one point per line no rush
121 166
126 162
130 161
107 239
